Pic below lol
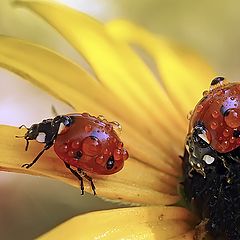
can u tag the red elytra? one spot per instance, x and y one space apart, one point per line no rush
89 143
219 112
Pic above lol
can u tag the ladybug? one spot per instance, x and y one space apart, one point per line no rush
87 143
214 124
211 160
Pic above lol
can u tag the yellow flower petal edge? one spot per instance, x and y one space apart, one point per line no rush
148 189
117 66
41 67
181 70
126 223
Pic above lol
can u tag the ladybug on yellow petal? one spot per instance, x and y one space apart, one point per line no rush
87 143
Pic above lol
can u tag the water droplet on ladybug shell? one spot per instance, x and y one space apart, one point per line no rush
205 93
215 114
117 155
76 144
232 118
214 125
226 133
125 154
88 128
91 146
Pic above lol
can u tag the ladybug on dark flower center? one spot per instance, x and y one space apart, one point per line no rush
211 161
82 141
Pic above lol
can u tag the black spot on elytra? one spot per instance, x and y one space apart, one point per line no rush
110 163
78 155
236 133
217 80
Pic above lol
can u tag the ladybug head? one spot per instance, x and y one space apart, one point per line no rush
31 134
47 130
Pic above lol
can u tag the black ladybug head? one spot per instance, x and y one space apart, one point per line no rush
47 130
32 132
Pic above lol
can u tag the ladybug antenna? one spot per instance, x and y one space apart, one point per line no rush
24 136
23 126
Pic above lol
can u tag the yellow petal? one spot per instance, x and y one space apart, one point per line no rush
127 223
119 68
53 73
127 186
182 71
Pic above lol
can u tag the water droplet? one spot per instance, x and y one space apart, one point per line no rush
226 133
215 114
71 153
101 117
91 146
220 138
199 108
214 125
205 93
117 126
117 154
100 160
76 144
106 151
120 145
108 127
125 154
88 128
225 144
85 114
63 148
232 118
232 140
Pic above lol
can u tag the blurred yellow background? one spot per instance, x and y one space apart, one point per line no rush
210 27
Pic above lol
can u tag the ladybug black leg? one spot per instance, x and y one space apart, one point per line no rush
46 147
75 173
83 174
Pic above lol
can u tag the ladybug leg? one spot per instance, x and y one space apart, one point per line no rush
75 173
46 147
82 173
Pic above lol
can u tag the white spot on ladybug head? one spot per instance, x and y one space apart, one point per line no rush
208 159
61 128
204 137
41 137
